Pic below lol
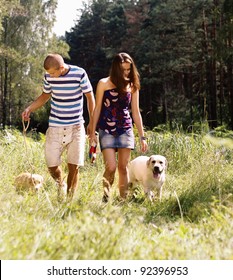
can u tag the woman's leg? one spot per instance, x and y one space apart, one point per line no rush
123 160
109 156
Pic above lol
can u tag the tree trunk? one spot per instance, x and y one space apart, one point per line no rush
4 96
230 88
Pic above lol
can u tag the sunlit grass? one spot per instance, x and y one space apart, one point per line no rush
193 221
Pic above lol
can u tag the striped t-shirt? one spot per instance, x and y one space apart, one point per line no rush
67 96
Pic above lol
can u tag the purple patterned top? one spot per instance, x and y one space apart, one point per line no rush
115 118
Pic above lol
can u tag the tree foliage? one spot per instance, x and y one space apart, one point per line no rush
25 39
183 50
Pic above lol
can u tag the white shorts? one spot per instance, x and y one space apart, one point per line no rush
70 138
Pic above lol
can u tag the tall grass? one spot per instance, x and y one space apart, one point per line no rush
193 221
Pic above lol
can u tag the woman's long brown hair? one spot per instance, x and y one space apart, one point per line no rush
116 73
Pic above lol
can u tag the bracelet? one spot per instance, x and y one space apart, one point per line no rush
143 138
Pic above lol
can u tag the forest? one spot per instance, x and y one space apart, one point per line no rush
182 48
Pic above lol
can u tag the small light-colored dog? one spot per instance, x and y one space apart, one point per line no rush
28 182
150 172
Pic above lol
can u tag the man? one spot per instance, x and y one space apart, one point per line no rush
65 85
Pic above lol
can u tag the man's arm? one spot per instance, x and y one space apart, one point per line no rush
39 102
90 108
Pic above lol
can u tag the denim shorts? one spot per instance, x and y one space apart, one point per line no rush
125 140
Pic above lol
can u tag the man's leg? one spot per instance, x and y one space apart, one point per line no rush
56 173
72 180
75 159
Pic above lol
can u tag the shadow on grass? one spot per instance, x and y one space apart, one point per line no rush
191 205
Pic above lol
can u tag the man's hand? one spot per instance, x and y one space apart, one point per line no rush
26 114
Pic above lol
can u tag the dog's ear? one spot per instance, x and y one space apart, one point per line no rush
33 181
148 162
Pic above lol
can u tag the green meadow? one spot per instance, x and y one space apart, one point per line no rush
194 220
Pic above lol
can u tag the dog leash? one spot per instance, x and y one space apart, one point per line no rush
25 128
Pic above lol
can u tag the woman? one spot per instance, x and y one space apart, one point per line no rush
114 96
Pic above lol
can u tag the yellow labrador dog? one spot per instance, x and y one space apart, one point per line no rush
28 182
150 172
